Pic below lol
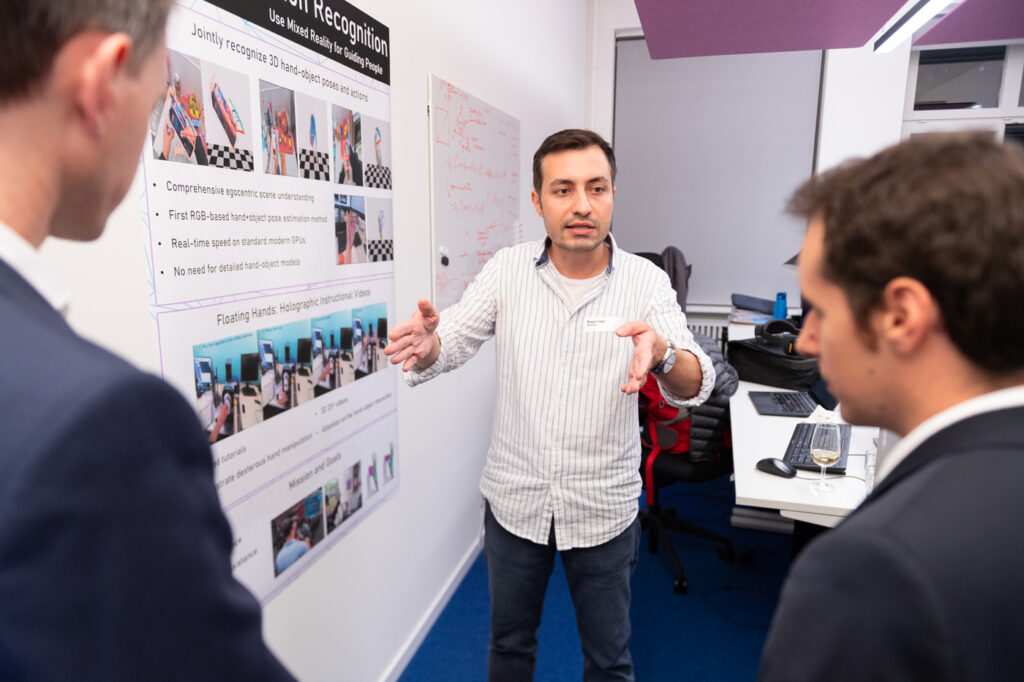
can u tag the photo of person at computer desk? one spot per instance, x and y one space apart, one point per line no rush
297 530
226 375
334 363
370 326
345 497
913 262
286 367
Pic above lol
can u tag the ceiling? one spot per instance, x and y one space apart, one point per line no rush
978 21
696 28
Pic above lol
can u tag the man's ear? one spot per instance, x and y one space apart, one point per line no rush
97 62
535 198
909 314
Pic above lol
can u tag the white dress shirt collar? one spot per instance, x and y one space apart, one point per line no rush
541 256
989 402
26 261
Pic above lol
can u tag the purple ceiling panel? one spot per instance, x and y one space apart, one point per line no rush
696 28
976 21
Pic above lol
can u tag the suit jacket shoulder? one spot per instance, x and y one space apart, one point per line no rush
915 583
114 549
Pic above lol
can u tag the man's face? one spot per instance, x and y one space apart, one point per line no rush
576 198
852 369
101 186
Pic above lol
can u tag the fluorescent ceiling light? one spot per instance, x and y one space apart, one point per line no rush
909 18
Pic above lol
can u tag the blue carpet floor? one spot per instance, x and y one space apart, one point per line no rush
714 632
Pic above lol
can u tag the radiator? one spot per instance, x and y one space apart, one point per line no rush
716 329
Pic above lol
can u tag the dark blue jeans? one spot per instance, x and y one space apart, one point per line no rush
598 577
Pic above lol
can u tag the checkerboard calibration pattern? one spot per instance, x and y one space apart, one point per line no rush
223 156
377 176
314 165
378 250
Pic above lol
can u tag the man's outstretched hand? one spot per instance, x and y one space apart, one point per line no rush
414 342
647 345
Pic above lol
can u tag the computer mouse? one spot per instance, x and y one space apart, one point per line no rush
776 467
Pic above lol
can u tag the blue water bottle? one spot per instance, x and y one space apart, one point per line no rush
780 306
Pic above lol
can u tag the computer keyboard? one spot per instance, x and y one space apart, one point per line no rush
798 452
794 403
783 403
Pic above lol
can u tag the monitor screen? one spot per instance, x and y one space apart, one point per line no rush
382 327
304 354
346 338
267 353
313 504
204 371
250 368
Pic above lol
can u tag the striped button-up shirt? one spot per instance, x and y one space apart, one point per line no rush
565 444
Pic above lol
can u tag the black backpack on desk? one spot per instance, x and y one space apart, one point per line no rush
764 361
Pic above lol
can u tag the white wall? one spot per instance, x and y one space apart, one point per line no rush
862 102
359 612
863 93
607 19
862 96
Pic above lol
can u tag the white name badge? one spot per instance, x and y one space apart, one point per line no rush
602 324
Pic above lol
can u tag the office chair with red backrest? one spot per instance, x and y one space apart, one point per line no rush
694 448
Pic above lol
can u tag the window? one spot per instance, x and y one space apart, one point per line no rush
968 78
966 88
1015 132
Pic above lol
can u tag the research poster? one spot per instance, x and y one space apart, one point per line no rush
270 241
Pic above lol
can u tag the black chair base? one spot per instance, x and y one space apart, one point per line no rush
659 521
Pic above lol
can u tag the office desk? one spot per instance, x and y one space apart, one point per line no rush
303 385
755 437
346 371
251 412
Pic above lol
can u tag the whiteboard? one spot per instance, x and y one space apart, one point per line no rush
474 162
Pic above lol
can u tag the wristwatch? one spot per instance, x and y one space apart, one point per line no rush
667 362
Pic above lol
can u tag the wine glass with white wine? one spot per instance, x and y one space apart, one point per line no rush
824 452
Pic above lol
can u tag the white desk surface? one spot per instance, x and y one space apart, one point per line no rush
755 437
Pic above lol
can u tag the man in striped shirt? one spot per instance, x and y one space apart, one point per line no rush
578 324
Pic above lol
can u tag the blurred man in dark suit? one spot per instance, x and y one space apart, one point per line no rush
114 552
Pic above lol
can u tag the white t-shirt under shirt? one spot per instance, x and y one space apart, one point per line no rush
576 288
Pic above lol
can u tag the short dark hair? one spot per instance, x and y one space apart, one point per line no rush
32 32
571 138
944 209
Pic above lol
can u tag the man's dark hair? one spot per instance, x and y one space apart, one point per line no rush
572 138
944 209
32 32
